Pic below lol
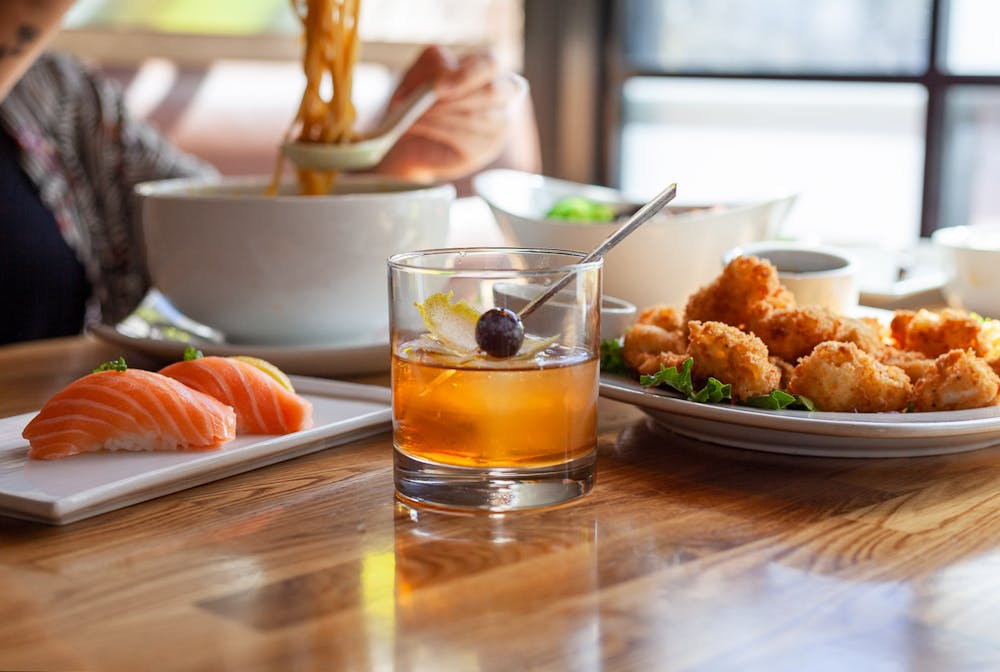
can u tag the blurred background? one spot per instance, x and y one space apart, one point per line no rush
883 114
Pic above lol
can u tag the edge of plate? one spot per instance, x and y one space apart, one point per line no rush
143 488
314 360
891 426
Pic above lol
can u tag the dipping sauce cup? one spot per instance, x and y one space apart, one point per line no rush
477 432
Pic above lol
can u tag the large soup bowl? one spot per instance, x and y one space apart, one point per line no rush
286 269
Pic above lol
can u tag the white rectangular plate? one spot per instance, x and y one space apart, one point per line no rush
70 489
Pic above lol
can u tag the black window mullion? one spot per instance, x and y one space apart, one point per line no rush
936 80
937 87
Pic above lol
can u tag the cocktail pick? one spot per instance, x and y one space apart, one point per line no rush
500 331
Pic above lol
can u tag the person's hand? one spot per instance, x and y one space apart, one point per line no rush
465 129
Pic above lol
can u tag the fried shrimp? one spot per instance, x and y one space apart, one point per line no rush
643 341
842 377
957 380
747 289
732 356
935 333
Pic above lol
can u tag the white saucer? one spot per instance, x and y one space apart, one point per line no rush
156 329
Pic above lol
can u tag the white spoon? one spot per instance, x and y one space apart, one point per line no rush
366 152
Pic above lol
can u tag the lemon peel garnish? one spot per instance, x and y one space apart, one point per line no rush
533 345
451 327
268 368
452 324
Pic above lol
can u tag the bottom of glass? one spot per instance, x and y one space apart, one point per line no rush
508 489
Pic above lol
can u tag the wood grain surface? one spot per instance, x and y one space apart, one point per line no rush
685 556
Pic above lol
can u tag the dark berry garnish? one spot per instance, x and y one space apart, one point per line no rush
499 332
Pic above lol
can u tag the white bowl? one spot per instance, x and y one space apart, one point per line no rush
664 261
286 269
971 255
617 315
817 276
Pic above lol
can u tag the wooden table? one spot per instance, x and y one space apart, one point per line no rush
684 557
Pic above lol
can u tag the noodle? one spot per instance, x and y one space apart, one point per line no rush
331 50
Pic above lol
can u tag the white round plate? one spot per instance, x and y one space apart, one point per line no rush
813 433
156 329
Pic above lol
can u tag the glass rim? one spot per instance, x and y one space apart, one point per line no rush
399 261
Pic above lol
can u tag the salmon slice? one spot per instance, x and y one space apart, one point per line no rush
263 405
128 410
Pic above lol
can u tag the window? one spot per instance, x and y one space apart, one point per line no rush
883 114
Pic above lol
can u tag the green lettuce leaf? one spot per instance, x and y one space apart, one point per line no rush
579 209
713 392
779 400
612 360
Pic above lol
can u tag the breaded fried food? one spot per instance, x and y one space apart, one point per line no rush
840 376
866 333
989 339
897 327
662 315
747 289
732 356
643 341
957 380
916 364
792 333
935 333
652 363
786 369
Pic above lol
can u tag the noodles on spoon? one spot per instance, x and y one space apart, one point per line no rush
331 50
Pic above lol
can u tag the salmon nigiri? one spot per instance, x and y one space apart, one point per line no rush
128 409
263 405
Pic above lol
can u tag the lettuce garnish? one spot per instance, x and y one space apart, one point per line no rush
612 360
713 392
779 400
191 352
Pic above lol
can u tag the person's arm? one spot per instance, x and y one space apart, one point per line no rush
26 26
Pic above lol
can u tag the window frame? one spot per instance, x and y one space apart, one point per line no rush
551 39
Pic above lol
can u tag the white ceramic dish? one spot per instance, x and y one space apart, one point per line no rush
617 315
327 361
664 261
156 329
972 263
817 276
861 435
286 269
899 277
67 490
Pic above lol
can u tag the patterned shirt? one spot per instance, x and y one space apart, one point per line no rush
85 154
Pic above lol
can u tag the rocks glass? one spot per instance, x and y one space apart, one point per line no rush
477 432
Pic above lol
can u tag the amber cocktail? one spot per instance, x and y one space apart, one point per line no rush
477 431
